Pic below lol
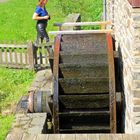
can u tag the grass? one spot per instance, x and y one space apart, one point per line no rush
17 26
5 125
16 16
13 84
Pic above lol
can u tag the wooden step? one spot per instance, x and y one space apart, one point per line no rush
82 57
85 117
86 102
80 113
70 48
83 70
86 129
85 40
83 85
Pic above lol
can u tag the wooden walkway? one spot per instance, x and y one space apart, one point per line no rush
76 137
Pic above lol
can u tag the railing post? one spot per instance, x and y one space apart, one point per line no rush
30 51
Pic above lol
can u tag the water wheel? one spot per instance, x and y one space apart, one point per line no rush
84 84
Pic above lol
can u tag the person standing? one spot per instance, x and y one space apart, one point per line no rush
42 17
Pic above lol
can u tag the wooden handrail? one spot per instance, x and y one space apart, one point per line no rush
82 23
80 32
12 46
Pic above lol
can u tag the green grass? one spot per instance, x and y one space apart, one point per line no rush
5 125
13 84
16 16
17 26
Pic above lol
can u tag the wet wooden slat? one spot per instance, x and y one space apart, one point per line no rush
90 101
84 85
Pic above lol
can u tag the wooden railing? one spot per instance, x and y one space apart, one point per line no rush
41 57
15 56
23 56
69 24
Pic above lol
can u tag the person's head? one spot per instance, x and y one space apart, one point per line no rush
42 2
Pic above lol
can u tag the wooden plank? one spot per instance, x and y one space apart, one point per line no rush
115 137
26 57
5 55
85 101
84 85
46 55
16 135
29 137
82 23
40 54
129 137
81 136
138 137
21 59
10 53
80 32
42 137
30 55
68 137
15 54
54 137
12 46
104 137
93 136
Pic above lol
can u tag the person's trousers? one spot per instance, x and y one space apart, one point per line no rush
41 32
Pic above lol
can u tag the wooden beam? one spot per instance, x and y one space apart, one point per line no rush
82 23
80 32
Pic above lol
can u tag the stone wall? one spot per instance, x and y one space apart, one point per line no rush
126 26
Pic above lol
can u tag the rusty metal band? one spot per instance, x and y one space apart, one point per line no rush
112 91
30 101
39 103
55 84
